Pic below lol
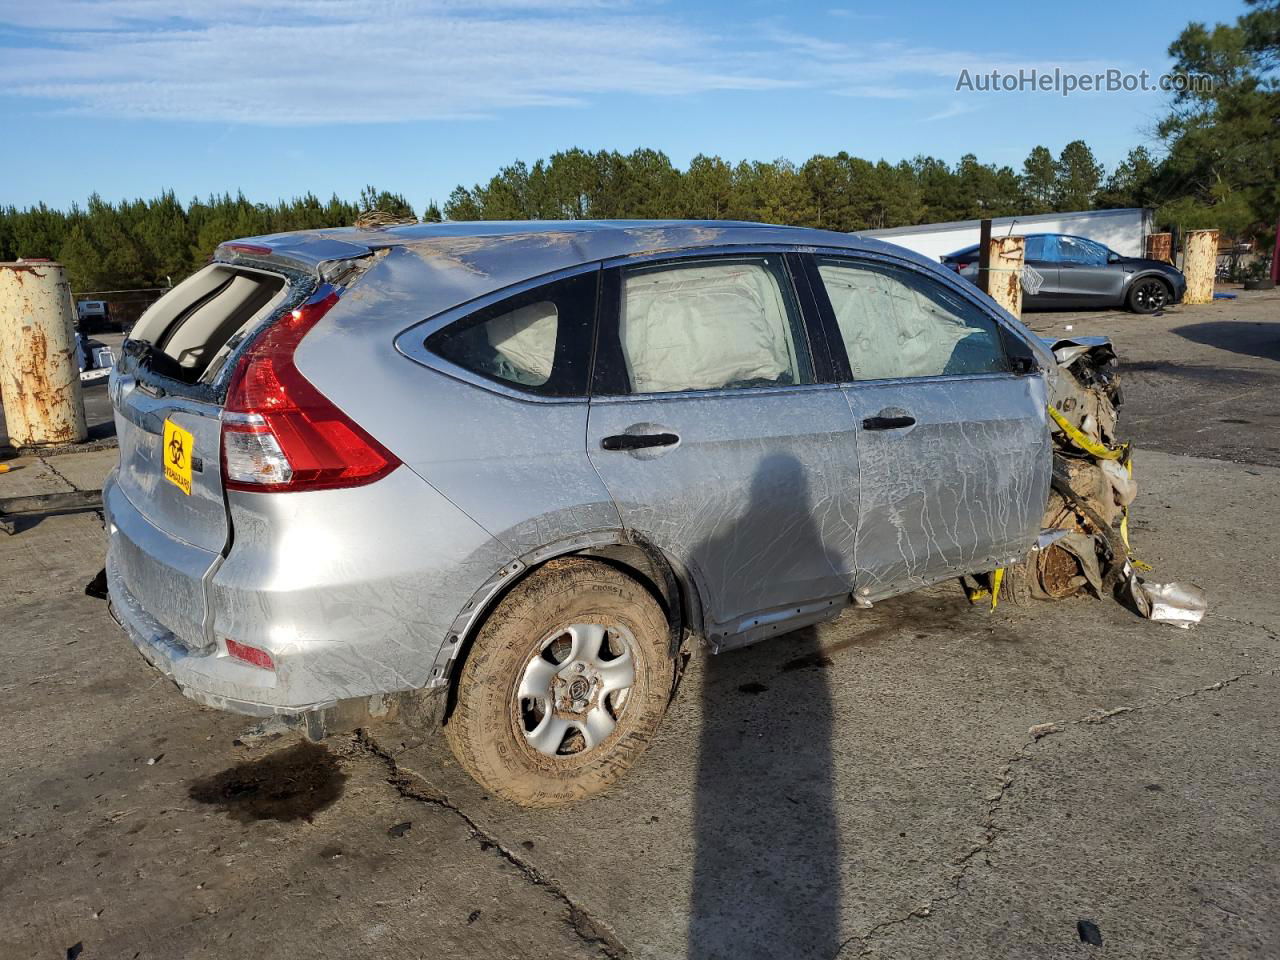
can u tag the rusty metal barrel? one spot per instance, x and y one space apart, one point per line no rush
1005 282
1199 264
39 370
1160 247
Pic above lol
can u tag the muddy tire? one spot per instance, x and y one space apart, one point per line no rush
565 685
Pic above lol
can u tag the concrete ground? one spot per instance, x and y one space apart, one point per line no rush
868 788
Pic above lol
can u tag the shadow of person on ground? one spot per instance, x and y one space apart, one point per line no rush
766 879
1248 339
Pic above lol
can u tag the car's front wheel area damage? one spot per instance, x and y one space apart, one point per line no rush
1086 547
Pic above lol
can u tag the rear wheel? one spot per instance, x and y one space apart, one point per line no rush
565 685
1149 294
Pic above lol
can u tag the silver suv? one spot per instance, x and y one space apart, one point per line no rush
528 466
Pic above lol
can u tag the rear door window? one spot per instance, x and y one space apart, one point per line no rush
538 341
1079 250
721 324
898 323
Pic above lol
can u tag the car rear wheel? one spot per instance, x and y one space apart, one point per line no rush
1149 294
566 684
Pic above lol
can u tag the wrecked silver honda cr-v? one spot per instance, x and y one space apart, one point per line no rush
525 466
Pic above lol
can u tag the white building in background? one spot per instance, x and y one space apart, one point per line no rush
1124 231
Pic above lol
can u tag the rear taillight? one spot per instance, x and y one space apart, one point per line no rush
281 434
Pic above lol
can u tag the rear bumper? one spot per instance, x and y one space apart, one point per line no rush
352 593
205 678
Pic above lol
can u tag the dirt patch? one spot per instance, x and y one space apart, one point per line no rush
290 784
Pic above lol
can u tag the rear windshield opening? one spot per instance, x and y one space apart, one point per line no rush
195 326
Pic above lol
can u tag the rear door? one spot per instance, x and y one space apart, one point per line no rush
718 445
953 447
1084 276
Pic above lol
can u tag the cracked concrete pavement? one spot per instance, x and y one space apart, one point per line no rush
922 779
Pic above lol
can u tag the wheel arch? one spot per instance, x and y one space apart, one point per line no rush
666 578
1136 278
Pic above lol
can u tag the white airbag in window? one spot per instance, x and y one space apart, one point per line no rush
705 327
524 342
893 330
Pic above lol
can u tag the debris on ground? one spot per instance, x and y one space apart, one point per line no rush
1180 604
97 587
1042 730
1089 933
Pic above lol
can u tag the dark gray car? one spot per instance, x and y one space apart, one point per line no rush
1078 272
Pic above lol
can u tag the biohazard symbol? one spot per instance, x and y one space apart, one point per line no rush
178 445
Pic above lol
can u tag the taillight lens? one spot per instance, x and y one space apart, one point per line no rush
248 654
281 434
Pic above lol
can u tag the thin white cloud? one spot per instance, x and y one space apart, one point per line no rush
957 108
309 62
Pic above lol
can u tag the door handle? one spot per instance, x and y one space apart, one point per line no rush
881 422
639 441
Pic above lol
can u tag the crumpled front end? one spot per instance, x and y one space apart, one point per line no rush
1093 486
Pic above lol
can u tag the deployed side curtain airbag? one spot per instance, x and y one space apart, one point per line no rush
524 343
705 327
891 329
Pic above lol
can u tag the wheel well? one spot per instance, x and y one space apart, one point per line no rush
667 581
1142 277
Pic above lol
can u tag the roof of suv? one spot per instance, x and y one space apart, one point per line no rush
559 243
456 262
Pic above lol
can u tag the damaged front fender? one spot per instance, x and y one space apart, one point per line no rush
1093 487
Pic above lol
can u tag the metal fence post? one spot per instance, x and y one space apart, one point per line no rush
39 372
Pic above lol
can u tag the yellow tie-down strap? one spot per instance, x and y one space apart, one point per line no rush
1095 449
1091 447
1102 452
974 594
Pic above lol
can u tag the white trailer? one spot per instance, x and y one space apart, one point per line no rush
1124 231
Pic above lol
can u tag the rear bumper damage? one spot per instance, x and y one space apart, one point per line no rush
334 587
201 678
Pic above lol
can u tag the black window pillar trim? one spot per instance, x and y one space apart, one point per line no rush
839 369
822 354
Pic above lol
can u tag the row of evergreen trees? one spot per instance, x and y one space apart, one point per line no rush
152 243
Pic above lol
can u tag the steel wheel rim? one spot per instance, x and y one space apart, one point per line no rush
574 689
1150 294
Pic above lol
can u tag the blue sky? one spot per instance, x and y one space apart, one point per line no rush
128 97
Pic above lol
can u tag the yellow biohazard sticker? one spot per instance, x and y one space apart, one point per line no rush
178 445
